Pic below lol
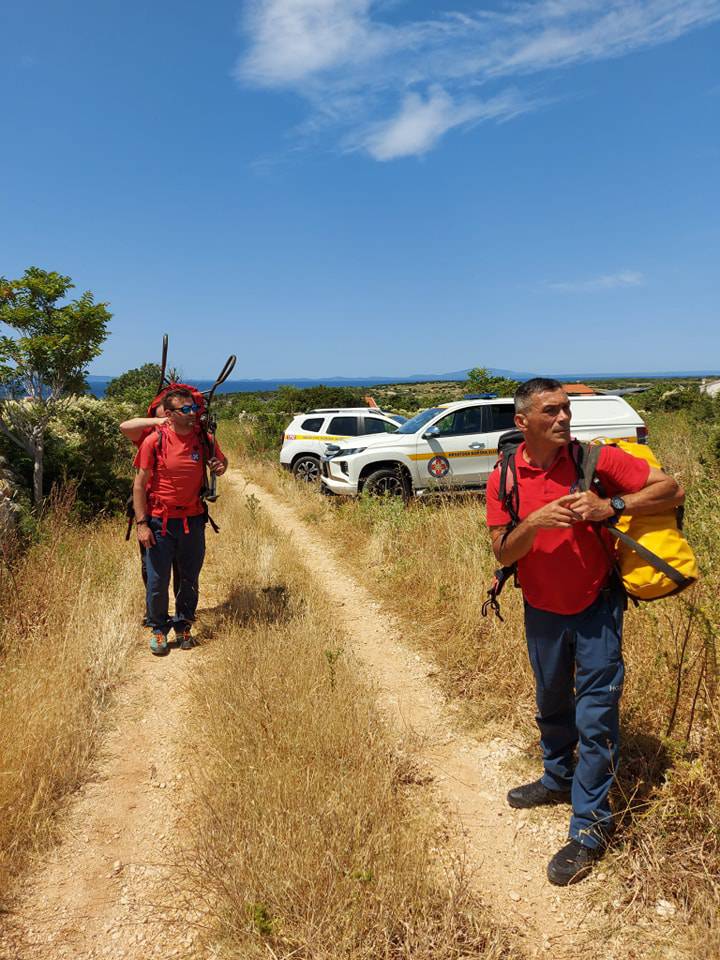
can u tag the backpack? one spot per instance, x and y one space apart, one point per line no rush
652 557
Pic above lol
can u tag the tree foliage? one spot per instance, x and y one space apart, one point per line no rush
46 360
138 386
480 380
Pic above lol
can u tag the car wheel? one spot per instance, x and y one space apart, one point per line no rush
387 483
307 469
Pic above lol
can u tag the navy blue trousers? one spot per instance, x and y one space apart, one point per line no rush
579 673
186 551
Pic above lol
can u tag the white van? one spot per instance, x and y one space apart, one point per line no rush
454 445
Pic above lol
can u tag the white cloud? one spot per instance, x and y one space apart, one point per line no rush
608 281
294 39
421 122
398 86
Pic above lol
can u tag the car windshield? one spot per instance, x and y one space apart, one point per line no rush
419 420
397 418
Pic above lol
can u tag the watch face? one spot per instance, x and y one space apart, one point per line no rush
617 503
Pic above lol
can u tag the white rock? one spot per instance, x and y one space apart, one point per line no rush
664 909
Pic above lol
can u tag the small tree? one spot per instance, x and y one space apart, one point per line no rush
480 380
137 386
47 359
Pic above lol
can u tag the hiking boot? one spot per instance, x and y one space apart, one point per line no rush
158 643
572 862
185 640
536 794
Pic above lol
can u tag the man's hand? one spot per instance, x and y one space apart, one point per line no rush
146 537
588 506
217 466
559 513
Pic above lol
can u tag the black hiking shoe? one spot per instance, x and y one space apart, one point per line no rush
536 794
572 863
185 640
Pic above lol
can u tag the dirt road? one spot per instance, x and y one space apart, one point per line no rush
509 849
109 889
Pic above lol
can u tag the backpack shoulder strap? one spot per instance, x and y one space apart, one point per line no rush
585 456
509 495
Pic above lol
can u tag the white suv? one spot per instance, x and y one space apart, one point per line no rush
455 445
308 434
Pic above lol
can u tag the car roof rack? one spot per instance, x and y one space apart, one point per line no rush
347 410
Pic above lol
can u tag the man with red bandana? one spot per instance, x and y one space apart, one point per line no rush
574 608
170 515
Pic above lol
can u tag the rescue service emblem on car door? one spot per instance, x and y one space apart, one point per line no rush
438 467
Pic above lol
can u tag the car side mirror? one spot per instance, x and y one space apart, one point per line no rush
431 432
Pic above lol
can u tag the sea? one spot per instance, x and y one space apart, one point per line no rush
98 384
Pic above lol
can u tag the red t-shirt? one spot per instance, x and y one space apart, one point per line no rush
565 569
143 436
176 472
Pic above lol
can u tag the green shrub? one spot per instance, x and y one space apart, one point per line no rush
84 448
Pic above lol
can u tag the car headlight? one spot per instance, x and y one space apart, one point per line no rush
345 452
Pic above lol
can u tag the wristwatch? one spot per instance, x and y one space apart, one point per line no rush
618 505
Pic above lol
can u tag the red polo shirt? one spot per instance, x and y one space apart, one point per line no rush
176 472
565 569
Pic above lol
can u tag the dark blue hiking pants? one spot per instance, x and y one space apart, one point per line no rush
187 552
579 672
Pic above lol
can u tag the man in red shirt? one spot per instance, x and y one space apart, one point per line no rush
170 516
573 610
136 430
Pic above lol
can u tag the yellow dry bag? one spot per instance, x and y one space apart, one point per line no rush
654 558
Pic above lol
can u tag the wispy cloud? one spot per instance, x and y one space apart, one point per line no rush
394 87
421 121
607 281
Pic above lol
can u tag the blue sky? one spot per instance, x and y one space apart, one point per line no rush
348 188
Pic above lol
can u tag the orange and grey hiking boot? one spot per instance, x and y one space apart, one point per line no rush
185 639
158 643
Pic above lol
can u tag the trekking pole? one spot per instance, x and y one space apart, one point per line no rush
211 423
163 363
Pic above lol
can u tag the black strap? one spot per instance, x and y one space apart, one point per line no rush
652 558
499 580
509 499
209 519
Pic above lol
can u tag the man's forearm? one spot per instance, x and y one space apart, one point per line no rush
654 498
139 501
516 544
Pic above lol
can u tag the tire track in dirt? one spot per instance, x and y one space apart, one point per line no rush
508 849
109 889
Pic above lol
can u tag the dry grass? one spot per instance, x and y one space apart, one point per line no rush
69 613
432 563
314 839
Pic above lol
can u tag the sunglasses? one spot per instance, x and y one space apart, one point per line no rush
186 408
